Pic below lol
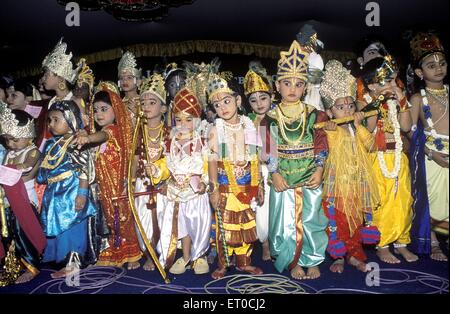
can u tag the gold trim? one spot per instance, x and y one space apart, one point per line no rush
238 227
60 177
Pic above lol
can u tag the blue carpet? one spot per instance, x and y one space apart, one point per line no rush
422 277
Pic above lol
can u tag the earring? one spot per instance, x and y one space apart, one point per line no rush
61 86
421 78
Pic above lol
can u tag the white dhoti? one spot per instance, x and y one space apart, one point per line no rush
437 187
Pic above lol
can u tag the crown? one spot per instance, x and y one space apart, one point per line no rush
108 85
9 124
128 64
386 70
185 101
216 85
170 68
155 85
337 82
293 63
254 79
59 62
424 44
85 75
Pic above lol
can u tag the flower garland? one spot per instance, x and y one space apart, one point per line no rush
428 116
392 116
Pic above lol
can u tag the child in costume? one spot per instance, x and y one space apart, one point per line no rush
113 125
150 162
129 81
66 204
297 223
258 90
174 81
234 174
20 203
350 191
187 216
394 216
429 153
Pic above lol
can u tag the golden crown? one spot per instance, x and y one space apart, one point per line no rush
155 85
128 64
293 63
424 44
9 124
111 86
216 85
386 70
59 62
337 82
86 75
254 80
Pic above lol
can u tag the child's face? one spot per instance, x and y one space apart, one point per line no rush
103 113
343 107
184 122
174 84
127 81
389 85
260 102
16 144
152 106
57 125
290 89
50 80
433 68
226 105
17 100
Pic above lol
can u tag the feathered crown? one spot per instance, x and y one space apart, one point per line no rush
293 63
59 62
386 70
86 75
337 82
186 101
424 44
254 79
9 124
155 85
170 68
128 64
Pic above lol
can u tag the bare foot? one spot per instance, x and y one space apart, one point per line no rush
337 266
361 266
407 255
219 273
266 251
436 252
149 265
298 273
252 270
313 272
26 276
386 256
133 265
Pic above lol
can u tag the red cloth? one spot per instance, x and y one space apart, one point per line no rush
320 137
41 121
21 207
353 244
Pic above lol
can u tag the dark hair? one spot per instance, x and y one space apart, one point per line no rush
22 116
102 96
72 106
23 87
366 42
370 69
5 82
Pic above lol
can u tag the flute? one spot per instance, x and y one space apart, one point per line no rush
367 114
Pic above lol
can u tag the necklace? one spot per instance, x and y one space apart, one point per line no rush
155 127
437 91
429 118
284 128
233 127
58 156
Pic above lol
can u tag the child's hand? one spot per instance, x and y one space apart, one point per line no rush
214 198
80 202
440 159
151 170
315 180
330 126
359 117
279 183
201 188
81 139
261 195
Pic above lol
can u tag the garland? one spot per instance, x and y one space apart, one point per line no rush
392 116
428 116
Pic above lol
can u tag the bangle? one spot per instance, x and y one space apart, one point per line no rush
430 154
83 192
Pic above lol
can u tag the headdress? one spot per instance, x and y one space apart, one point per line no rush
337 82
217 85
155 85
59 62
128 64
387 68
107 85
71 113
171 68
185 101
424 44
9 124
253 80
293 63
85 75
